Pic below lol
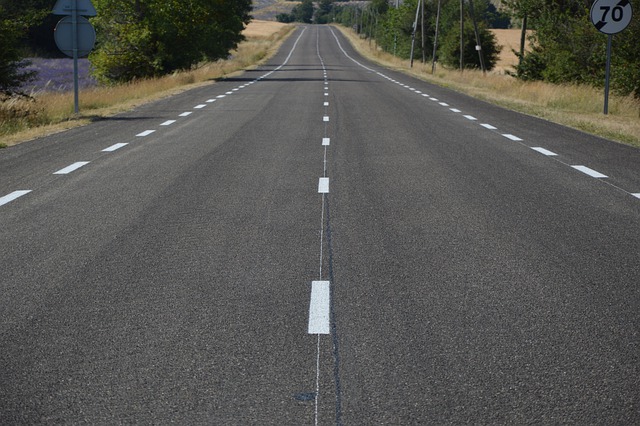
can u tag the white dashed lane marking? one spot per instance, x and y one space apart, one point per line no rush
470 117
544 151
637 195
512 137
73 167
115 147
319 308
145 133
326 141
13 196
185 114
325 118
199 106
590 172
323 185
489 126
168 123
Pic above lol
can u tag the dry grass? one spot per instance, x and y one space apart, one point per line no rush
579 107
23 119
510 41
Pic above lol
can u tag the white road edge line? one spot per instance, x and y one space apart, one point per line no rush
115 147
319 308
590 172
544 151
73 167
14 195
323 185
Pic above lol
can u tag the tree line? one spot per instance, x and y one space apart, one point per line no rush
565 46
135 38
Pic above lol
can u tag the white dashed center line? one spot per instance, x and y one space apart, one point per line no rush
590 172
185 114
637 195
489 126
470 117
71 168
168 123
326 141
319 308
145 133
14 195
325 118
115 147
323 185
199 106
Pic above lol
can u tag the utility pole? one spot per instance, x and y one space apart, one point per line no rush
413 34
475 29
424 53
461 35
435 40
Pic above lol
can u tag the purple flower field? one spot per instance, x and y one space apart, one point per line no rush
56 75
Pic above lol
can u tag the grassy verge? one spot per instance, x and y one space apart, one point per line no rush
575 106
24 119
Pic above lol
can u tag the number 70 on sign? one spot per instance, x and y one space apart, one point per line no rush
611 16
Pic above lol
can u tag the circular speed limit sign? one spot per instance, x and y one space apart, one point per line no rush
611 16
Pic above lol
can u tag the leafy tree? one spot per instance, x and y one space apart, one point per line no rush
303 12
568 49
450 47
143 38
15 20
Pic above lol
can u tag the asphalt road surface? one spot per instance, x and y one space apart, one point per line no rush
320 241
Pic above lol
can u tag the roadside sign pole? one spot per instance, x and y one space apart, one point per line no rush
76 90
610 17
607 75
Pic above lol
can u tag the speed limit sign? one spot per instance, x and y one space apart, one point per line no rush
611 16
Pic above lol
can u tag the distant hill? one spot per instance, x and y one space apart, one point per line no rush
267 10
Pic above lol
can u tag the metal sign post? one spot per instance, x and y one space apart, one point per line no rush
610 17
70 43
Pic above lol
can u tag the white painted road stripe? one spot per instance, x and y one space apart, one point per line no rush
444 104
325 118
320 308
323 186
544 151
221 96
326 104
115 147
168 123
145 133
184 114
637 195
210 100
470 117
326 141
14 195
199 106
454 110
512 137
589 172
489 126
71 168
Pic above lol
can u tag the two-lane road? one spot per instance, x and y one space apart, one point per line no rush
320 241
